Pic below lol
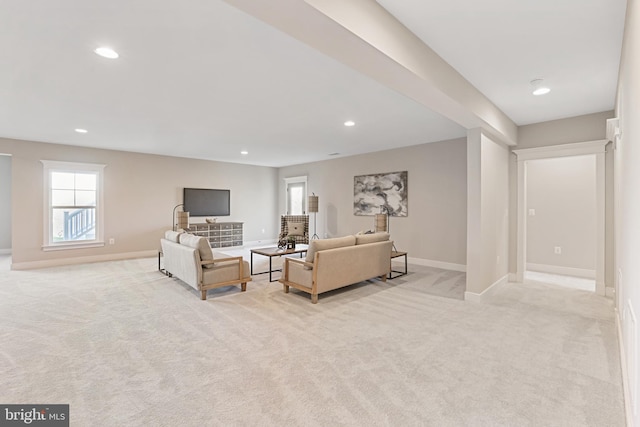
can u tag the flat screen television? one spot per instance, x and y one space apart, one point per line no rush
207 202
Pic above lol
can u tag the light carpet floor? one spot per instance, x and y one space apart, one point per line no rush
125 345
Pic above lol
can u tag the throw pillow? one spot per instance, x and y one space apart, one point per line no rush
173 236
201 244
295 228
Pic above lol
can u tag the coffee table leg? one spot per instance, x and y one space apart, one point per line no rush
252 263
270 269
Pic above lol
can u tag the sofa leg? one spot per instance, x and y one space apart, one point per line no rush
383 278
314 298
286 289
243 286
203 295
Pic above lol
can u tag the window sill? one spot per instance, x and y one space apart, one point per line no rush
73 245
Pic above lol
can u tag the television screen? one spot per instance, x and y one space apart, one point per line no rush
207 202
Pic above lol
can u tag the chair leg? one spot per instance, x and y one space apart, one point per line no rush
286 289
243 286
203 295
314 298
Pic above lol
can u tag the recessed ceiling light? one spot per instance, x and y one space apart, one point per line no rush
81 130
244 152
539 88
349 123
106 52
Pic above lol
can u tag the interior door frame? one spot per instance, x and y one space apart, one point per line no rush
597 148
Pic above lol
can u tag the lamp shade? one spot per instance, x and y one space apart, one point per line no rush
313 204
182 219
380 222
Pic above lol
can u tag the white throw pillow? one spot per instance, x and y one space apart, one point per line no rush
201 244
173 236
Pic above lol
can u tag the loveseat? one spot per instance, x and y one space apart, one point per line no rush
190 259
334 263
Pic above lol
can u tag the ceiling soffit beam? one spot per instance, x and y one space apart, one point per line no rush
364 36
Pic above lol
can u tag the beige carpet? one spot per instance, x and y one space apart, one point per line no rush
127 346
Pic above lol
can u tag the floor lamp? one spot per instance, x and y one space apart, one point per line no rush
313 208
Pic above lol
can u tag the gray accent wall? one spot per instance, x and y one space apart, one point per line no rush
140 191
5 204
435 228
562 194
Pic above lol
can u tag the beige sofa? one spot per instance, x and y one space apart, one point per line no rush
334 263
190 259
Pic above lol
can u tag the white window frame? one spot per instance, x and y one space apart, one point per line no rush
295 180
50 166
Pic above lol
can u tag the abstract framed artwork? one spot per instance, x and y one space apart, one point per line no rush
381 192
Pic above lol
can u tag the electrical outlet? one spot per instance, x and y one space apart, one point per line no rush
112 241
498 259
557 250
532 212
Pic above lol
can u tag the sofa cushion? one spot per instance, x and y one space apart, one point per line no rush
362 239
324 244
173 236
295 228
201 244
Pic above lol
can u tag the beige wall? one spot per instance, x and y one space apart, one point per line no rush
488 214
435 228
140 193
562 192
627 214
5 204
589 127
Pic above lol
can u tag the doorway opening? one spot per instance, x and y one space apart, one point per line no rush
561 221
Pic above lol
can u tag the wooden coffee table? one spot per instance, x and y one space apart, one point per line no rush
273 252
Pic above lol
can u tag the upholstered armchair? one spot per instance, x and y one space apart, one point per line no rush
296 226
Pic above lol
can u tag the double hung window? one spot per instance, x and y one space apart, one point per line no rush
73 205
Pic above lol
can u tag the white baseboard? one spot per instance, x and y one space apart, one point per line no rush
565 271
625 374
513 277
474 297
5 251
29 265
437 264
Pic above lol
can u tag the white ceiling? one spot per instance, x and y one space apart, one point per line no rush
201 79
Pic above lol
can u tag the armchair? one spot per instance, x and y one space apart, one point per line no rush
301 237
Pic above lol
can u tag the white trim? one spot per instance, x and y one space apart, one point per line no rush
294 180
625 374
29 265
5 251
562 150
54 165
597 148
513 277
473 297
565 271
437 264
610 292
63 246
